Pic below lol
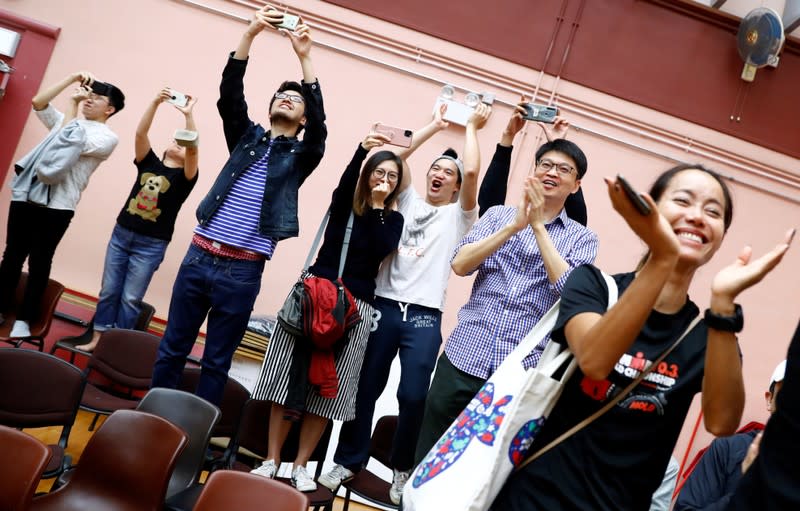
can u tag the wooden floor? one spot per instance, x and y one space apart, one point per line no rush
80 435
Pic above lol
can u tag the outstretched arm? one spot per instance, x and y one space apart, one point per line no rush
192 153
471 157
231 105
421 136
723 387
302 43
495 183
260 20
46 95
142 140
556 130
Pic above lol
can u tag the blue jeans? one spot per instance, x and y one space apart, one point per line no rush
131 261
416 334
225 290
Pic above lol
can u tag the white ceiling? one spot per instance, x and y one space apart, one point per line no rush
788 9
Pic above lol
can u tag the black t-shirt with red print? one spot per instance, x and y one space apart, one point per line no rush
155 198
618 461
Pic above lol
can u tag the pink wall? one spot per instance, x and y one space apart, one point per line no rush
146 44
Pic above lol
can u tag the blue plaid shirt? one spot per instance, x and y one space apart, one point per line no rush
512 291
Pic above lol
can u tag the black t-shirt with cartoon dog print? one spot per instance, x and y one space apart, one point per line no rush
155 199
618 461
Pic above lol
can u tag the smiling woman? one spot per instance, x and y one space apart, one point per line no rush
618 461
310 383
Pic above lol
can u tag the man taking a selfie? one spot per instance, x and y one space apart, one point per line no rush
251 206
49 183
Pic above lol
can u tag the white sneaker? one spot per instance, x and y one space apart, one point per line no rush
20 329
301 480
267 469
398 483
335 477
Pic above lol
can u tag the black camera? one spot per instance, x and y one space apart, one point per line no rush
541 113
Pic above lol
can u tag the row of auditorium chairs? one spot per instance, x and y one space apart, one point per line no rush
47 391
126 466
123 359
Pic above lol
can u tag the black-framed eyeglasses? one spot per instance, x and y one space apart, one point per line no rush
563 168
290 97
380 173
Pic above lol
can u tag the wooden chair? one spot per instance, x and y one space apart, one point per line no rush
40 326
25 458
125 359
40 390
125 466
228 489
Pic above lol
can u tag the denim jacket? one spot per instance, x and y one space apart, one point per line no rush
291 160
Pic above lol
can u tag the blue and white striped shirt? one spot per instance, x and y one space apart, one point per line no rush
512 291
235 223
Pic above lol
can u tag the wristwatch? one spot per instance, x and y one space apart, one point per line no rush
733 323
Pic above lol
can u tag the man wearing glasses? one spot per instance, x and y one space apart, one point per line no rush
251 206
49 183
523 256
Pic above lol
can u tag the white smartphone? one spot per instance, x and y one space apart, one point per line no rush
456 112
178 98
290 22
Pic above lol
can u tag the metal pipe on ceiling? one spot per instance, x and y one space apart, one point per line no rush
672 140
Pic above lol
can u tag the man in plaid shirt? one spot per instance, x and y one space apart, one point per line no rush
523 256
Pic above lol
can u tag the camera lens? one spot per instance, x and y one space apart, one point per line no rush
447 92
472 100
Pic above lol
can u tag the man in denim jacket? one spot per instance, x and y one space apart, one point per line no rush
220 276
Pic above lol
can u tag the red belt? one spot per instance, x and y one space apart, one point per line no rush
222 250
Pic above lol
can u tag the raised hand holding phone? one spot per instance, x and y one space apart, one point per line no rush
653 229
395 136
556 130
178 99
540 113
638 202
374 139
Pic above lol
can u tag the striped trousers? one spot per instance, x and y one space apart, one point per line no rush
273 380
